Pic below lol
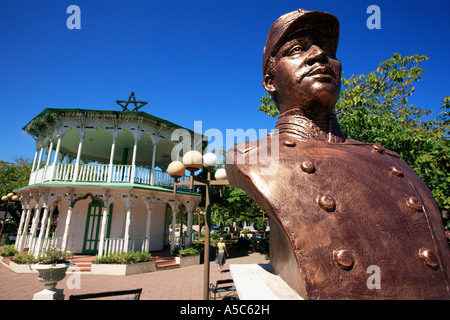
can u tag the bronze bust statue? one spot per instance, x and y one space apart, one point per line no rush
339 209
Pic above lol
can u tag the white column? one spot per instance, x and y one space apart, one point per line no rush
103 231
77 163
49 223
133 162
55 160
40 158
181 230
152 176
111 158
47 162
37 248
24 231
19 230
189 226
37 215
147 228
127 230
67 229
34 160
174 221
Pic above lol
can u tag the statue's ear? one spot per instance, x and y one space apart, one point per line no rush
268 83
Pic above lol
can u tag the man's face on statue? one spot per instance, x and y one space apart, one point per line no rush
307 75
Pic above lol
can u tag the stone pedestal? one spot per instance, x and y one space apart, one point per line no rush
49 294
258 282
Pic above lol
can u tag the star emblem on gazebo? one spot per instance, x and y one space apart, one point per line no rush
132 99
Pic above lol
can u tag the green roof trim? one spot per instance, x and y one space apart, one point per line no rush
49 115
106 186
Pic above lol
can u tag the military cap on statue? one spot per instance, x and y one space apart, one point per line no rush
297 20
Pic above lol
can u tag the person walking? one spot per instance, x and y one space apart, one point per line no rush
221 249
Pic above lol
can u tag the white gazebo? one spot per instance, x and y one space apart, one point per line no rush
99 183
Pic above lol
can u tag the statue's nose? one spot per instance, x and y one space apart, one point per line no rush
316 54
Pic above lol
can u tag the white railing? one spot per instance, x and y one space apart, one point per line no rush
117 245
121 173
48 243
143 175
95 172
64 171
113 245
177 239
162 179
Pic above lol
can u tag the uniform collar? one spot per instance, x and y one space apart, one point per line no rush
294 123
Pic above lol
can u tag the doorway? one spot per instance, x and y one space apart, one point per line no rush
93 223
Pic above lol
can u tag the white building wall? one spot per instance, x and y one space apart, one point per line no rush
157 226
137 225
119 214
138 220
77 224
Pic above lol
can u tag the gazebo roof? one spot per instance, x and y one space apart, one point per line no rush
49 115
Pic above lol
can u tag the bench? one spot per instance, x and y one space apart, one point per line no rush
218 288
135 292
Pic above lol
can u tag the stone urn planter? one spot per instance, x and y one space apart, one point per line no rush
124 269
50 275
186 261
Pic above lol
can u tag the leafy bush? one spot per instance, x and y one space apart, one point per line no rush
130 257
51 256
194 250
8 251
217 236
24 258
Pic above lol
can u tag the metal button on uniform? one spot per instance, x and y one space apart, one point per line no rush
414 203
289 143
429 258
327 203
343 258
378 148
308 167
397 172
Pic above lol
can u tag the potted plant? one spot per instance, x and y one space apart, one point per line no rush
188 256
52 267
124 263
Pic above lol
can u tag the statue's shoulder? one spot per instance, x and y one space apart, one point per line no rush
244 158
374 147
239 154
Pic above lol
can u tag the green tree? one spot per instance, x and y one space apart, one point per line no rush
233 206
375 108
14 175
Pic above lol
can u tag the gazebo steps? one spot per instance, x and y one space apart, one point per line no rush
163 261
166 262
81 266
81 263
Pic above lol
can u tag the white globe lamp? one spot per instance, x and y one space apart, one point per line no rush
209 161
221 174
176 169
193 160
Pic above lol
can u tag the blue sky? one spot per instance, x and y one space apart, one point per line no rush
191 60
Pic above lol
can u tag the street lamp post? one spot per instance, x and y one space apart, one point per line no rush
7 198
193 161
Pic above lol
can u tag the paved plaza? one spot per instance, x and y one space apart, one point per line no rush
174 284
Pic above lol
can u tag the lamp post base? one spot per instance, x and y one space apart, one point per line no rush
49 294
